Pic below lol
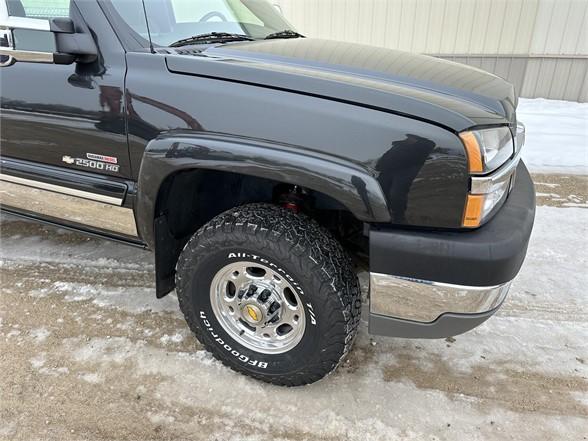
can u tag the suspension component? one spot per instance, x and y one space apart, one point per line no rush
294 199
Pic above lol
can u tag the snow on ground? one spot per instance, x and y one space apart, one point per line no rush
87 352
557 135
130 369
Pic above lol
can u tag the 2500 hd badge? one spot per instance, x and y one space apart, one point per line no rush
97 162
267 170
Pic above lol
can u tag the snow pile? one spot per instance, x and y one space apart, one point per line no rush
557 135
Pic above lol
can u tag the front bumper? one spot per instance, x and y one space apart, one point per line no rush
440 284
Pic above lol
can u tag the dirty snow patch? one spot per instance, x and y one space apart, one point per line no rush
40 335
91 377
134 300
38 361
176 338
160 418
54 371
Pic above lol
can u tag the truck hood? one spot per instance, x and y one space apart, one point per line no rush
452 95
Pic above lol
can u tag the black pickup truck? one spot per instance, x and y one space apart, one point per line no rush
266 170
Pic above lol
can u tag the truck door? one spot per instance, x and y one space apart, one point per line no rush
63 127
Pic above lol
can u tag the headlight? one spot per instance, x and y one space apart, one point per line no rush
479 206
487 149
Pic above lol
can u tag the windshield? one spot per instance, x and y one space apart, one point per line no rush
169 21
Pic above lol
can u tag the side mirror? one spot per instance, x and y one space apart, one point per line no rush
44 41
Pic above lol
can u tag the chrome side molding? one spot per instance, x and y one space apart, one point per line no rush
67 204
63 190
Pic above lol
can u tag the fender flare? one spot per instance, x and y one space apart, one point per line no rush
354 185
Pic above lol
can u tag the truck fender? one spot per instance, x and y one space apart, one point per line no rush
353 185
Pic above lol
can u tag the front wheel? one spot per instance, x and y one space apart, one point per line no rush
270 293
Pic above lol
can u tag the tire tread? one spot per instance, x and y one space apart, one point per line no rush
312 245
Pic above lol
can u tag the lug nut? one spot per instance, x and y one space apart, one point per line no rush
265 294
252 290
241 293
274 319
275 306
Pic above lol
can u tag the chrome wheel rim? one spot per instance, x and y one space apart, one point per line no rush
258 307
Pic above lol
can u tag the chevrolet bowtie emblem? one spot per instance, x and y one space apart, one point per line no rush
252 313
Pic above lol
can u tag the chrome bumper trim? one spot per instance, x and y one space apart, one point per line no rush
424 301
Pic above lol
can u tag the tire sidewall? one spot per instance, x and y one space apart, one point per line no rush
208 263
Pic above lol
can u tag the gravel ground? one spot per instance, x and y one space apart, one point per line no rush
87 352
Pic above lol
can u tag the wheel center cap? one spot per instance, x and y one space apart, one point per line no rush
252 314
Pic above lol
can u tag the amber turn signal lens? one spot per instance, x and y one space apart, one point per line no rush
473 210
473 151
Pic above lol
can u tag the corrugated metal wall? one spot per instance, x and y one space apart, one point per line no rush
539 45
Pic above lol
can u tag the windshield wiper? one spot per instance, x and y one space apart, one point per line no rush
212 37
284 34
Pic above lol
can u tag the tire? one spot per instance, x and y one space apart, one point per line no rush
318 290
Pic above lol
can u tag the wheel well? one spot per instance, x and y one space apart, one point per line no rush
189 199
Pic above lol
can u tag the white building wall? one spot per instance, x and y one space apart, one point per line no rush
539 45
